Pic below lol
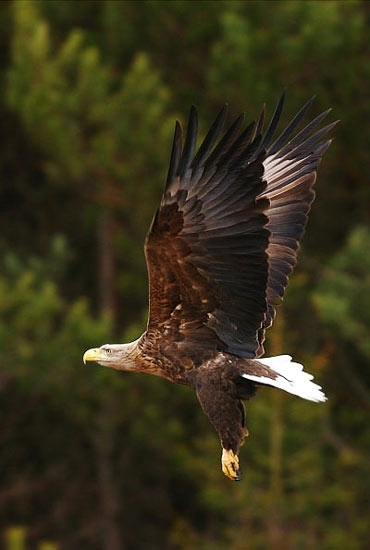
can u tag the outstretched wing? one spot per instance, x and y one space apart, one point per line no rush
224 240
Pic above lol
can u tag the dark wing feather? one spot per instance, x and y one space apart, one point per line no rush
224 240
290 172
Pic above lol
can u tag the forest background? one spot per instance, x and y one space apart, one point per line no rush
92 459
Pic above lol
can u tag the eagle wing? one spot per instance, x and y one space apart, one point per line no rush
225 237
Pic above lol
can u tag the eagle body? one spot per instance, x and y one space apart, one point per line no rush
219 253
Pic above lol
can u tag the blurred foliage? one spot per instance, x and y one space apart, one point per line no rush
97 459
343 294
15 539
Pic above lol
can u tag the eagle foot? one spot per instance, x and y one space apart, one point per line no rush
230 465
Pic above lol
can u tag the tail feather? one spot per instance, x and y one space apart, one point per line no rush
288 376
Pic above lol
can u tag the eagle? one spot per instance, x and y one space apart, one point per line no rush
219 252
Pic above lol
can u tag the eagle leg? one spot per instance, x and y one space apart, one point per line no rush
230 465
218 395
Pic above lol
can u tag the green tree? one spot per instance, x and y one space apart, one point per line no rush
343 294
96 459
97 132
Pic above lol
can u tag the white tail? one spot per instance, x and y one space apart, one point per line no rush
290 377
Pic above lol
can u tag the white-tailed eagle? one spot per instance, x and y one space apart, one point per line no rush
219 253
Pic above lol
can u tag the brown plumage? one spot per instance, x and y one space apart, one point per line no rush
219 253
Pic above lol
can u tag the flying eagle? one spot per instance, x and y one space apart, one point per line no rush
219 253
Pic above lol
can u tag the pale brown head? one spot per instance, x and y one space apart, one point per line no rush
115 356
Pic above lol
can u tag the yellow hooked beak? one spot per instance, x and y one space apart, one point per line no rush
92 354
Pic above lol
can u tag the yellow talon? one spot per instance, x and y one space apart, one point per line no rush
230 465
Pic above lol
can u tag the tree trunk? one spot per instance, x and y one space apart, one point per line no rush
106 264
109 496
276 534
